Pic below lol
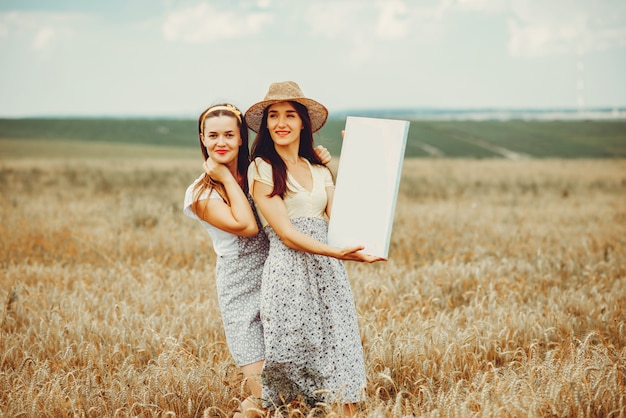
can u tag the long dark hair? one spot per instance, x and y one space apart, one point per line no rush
243 158
263 147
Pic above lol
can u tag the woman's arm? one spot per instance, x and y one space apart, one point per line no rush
274 210
330 193
238 218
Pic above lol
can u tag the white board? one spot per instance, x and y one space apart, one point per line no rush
366 188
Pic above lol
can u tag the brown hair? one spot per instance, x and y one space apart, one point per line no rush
263 146
243 157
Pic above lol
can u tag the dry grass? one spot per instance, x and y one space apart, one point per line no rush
504 294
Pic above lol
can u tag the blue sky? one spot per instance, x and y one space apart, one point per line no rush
166 57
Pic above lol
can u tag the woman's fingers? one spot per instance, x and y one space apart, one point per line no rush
356 254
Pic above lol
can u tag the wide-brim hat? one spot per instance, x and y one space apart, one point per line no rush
286 91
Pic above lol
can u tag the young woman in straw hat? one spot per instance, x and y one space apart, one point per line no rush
219 199
312 345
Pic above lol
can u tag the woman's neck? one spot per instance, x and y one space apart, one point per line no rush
232 167
288 154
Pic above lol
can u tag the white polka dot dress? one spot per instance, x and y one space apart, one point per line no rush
312 343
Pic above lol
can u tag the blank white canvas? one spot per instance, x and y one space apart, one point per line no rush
366 188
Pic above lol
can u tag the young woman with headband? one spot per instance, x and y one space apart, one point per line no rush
219 199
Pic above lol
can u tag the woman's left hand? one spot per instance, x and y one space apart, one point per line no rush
355 254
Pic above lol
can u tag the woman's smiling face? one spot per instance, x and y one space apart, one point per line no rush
222 138
284 123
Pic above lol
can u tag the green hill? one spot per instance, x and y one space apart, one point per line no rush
427 138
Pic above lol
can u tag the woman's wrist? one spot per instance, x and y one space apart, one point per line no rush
229 181
334 252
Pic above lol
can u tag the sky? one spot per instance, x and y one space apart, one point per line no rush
177 57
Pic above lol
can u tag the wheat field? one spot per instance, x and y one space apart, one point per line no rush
504 294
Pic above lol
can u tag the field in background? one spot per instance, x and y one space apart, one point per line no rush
503 295
514 139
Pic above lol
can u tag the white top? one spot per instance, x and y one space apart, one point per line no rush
299 201
224 243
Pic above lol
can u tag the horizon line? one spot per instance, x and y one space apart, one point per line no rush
417 112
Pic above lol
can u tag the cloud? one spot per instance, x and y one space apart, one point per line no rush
558 27
344 22
40 30
359 26
484 6
337 20
439 10
202 23
369 29
5 24
359 22
393 22
44 37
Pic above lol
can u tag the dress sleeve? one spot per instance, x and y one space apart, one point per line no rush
328 179
190 197
260 171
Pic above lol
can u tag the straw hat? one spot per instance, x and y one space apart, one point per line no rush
286 91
